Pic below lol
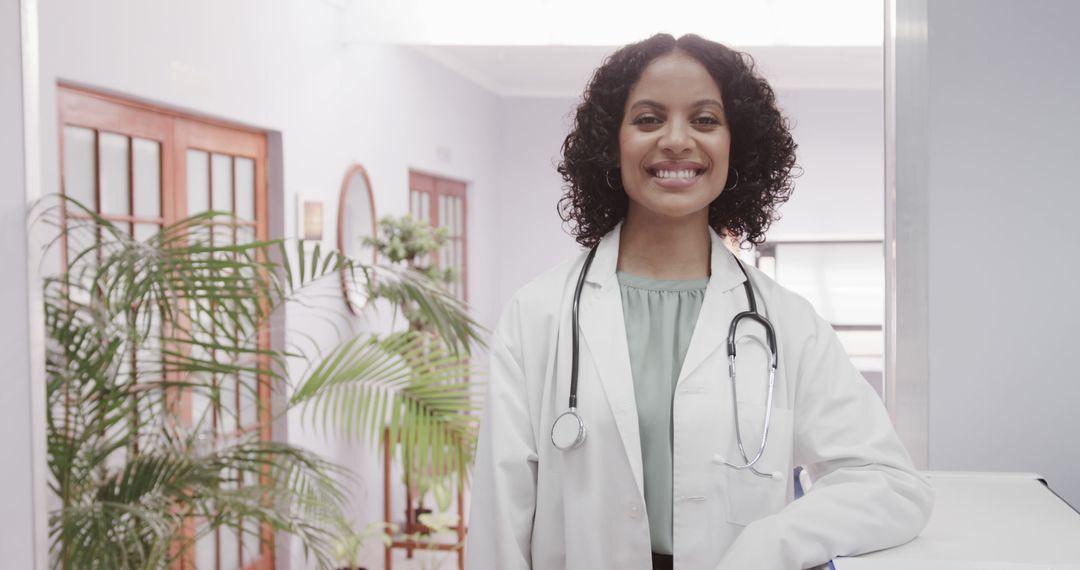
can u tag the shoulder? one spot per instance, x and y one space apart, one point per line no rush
529 325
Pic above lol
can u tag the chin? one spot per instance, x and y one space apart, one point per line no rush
674 206
673 212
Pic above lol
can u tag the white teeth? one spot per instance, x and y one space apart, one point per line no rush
683 174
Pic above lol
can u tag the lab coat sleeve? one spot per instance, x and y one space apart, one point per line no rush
866 494
504 477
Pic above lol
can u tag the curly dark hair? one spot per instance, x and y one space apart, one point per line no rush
762 150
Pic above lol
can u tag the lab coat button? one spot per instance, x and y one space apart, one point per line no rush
635 511
718 459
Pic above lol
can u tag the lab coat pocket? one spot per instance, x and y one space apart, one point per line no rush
751 496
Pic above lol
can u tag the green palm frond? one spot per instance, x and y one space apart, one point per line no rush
139 511
112 535
408 382
189 309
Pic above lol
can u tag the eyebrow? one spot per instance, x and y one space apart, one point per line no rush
700 103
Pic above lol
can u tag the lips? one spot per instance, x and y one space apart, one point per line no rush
670 174
683 173
675 182
669 166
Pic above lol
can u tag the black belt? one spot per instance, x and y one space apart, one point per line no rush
662 561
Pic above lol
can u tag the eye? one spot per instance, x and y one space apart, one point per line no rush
646 120
708 120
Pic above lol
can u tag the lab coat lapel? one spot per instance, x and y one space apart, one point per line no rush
604 332
718 307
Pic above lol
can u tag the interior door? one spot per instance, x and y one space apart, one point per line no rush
142 167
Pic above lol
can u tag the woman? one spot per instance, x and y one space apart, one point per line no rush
677 145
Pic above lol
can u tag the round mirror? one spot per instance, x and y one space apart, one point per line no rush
356 220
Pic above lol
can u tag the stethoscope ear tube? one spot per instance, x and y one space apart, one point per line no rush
754 315
574 331
770 335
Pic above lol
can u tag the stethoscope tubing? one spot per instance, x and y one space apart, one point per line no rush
752 314
574 334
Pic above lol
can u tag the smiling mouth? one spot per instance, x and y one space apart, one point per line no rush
680 174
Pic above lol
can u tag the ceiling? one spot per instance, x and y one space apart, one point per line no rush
563 71
549 48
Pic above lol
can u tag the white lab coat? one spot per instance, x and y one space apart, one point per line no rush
534 506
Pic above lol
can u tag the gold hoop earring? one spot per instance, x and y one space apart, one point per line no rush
607 178
736 181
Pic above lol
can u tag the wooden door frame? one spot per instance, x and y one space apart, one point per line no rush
435 185
177 131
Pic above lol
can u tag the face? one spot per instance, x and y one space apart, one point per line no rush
674 141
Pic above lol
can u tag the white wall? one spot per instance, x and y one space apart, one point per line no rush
21 409
840 194
1003 267
841 191
532 238
281 66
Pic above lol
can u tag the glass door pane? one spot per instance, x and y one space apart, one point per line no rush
221 183
80 165
206 549
115 188
198 182
245 189
146 175
229 548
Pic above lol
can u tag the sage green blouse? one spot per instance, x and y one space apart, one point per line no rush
660 316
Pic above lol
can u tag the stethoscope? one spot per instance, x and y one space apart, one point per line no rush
568 430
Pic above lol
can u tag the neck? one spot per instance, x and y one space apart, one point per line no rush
665 248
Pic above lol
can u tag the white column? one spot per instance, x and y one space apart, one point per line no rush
22 393
906 247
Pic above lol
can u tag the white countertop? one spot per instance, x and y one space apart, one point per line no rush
987 521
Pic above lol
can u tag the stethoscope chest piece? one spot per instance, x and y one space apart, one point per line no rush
568 431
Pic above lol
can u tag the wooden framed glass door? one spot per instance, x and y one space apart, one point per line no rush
443 204
143 167
222 169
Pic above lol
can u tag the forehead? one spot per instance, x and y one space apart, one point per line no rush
673 79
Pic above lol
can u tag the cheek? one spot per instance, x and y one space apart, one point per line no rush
628 151
723 148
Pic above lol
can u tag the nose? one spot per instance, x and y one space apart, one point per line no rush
676 138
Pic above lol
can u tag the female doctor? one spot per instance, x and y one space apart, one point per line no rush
654 434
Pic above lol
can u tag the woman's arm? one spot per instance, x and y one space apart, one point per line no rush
866 494
504 478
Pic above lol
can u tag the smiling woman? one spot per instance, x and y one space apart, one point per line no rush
643 443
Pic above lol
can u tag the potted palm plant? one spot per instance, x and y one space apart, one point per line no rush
138 331
441 444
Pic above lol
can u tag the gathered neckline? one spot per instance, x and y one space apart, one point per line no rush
653 284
